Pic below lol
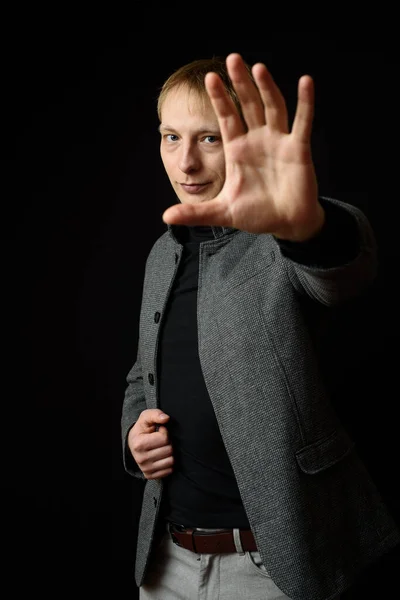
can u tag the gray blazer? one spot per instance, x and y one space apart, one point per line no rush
316 515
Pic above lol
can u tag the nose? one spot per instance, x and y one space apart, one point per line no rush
189 159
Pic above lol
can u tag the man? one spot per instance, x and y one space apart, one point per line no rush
253 486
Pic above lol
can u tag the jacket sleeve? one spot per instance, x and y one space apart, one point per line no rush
134 403
340 263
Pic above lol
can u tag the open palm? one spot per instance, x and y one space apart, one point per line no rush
270 184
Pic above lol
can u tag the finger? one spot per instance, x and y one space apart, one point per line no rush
213 212
158 454
160 468
230 123
163 436
275 109
158 439
303 119
248 94
158 474
144 442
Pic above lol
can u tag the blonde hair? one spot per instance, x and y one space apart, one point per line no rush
192 77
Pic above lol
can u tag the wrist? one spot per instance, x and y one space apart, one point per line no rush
305 233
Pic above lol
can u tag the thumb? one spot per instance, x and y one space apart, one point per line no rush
151 417
213 212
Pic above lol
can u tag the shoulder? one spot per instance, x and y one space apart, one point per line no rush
163 243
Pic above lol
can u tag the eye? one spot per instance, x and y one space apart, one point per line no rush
171 137
211 139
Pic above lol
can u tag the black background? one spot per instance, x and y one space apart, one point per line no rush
82 197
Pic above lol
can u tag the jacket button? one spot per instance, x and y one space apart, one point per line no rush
156 317
151 379
155 502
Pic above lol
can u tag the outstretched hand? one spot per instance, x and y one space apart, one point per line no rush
270 184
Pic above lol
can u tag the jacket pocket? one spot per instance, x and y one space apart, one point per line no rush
325 452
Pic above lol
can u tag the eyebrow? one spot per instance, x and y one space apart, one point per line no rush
209 131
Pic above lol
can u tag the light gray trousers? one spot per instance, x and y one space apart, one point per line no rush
179 574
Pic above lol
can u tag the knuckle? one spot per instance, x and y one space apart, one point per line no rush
137 445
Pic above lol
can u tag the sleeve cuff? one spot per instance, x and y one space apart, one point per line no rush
337 243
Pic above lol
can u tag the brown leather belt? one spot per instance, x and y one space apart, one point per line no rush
203 542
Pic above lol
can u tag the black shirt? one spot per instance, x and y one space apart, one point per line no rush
202 490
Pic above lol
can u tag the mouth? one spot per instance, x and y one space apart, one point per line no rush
193 188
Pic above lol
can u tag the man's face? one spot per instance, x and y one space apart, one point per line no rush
191 146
